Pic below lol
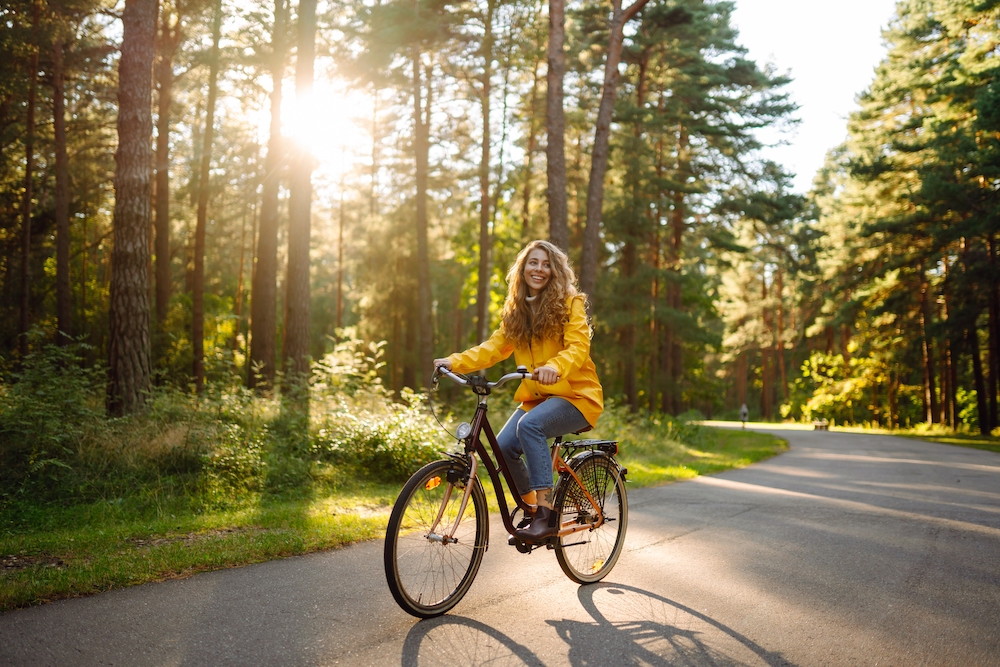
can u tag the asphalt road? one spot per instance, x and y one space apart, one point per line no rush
846 550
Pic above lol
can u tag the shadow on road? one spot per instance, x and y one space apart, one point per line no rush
631 627
636 627
455 640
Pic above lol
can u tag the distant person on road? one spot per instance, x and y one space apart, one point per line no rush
744 414
544 325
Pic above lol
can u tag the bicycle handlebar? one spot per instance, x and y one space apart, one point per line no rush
520 374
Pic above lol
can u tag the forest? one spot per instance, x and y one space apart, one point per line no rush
206 194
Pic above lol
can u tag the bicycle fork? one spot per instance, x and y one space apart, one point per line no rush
448 537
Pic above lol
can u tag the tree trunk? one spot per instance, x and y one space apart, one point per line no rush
555 126
927 352
485 238
654 325
972 339
239 281
297 313
629 261
953 347
674 294
950 353
741 378
198 291
765 370
340 259
602 139
779 341
657 287
946 388
630 255
993 350
893 413
410 345
264 290
373 194
666 366
29 175
676 347
395 355
169 40
421 146
128 346
529 151
64 307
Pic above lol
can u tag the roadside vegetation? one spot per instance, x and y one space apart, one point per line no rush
89 503
960 437
939 434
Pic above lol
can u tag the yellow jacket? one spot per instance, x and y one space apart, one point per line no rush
570 357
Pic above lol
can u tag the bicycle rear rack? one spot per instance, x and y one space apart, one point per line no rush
574 446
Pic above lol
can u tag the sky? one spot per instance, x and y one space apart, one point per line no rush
831 50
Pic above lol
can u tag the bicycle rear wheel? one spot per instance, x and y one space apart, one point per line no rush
588 556
427 575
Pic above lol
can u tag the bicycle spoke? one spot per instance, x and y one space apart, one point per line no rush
428 576
589 555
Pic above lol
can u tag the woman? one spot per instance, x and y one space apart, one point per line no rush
544 324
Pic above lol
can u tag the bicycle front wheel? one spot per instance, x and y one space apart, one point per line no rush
427 572
588 555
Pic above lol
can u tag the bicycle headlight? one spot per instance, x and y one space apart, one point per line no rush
464 429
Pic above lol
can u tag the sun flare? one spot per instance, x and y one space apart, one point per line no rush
333 123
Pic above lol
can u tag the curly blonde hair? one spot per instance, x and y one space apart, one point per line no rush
519 321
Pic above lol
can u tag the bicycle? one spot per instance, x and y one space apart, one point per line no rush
438 531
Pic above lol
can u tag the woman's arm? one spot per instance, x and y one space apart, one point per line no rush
481 356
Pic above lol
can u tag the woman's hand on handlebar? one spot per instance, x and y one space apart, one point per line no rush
545 375
442 363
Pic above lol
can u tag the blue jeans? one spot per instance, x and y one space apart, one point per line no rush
523 441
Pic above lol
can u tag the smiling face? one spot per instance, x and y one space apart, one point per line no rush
537 271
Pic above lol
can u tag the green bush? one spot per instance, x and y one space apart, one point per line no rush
640 430
46 411
388 443
221 448
236 463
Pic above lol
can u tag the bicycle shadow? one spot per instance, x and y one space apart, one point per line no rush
636 627
456 640
631 626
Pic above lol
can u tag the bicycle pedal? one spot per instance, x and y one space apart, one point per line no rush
522 547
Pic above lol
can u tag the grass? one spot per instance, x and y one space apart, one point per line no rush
82 550
651 461
54 552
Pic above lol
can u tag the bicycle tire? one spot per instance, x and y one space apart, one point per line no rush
426 577
588 556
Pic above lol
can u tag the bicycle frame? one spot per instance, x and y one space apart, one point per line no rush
473 447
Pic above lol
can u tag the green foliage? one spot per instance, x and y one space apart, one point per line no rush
47 409
641 431
906 214
358 426
387 443
236 464
223 449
